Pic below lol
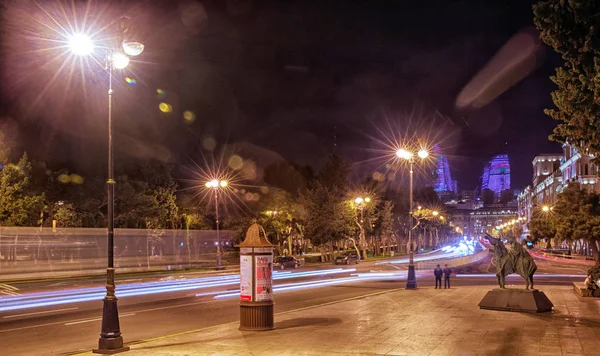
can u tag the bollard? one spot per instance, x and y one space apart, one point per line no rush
256 281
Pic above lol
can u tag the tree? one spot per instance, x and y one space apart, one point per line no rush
571 27
328 218
577 217
541 226
335 173
384 228
18 205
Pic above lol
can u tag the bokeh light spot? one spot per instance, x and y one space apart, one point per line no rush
64 178
248 196
209 143
164 107
264 190
189 116
76 179
249 170
235 162
378 177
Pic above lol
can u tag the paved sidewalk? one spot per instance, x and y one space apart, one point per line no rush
423 322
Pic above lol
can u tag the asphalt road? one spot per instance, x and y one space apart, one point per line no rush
74 327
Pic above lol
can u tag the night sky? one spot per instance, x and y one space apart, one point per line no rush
282 77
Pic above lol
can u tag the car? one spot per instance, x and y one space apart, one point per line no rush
284 262
347 258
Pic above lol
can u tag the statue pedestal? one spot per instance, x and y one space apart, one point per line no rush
517 300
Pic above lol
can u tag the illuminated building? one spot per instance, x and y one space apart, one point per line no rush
496 175
444 186
552 173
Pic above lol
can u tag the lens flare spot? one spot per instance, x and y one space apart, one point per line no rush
248 196
76 179
235 162
249 170
131 81
378 177
264 190
164 107
160 91
209 143
64 178
189 116
391 177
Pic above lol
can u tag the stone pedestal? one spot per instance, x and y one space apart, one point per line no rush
517 300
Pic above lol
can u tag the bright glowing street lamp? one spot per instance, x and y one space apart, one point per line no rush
545 208
423 153
111 340
217 184
80 44
411 281
360 204
435 213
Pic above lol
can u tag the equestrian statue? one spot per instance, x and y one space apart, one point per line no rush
516 260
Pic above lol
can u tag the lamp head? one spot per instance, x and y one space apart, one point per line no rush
423 153
404 154
132 48
80 44
358 200
119 60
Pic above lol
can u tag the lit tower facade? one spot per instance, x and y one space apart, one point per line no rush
444 185
496 175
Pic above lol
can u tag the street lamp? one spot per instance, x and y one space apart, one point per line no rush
111 340
545 208
217 184
360 203
411 282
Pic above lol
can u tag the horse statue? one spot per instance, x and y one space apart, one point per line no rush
518 260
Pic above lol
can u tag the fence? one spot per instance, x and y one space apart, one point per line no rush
27 250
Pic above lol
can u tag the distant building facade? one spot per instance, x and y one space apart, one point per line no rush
552 173
496 175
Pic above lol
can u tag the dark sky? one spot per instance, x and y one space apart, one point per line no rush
279 75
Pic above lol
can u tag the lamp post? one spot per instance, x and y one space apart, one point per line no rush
216 184
411 282
110 341
360 204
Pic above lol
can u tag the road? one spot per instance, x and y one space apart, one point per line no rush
194 302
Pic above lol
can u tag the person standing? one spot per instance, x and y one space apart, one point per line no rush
437 272
447 273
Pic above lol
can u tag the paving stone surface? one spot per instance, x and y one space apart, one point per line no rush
434 322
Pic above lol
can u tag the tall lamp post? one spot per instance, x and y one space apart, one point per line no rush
111 341
411 282
215 185
360 204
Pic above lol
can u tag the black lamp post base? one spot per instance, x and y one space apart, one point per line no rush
411 282
111 341
110 351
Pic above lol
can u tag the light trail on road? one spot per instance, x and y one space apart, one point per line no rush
45 299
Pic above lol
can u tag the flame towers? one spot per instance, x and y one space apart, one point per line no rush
444 185
496 175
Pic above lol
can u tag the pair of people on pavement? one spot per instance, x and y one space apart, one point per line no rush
438 272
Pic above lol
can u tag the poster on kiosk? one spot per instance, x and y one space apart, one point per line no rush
263 287
246 278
